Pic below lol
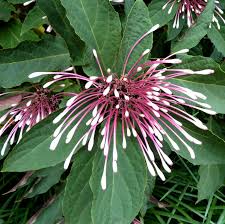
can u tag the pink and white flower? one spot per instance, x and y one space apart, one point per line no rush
191 9
31 108
141 99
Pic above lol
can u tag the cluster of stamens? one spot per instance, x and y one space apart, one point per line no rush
23 115
193 8
141 102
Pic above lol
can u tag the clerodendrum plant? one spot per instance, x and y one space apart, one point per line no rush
142 99
193 8
31 108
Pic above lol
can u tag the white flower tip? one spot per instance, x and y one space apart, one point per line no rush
114 165
70 101
139 69
47 84
126 113
109 79
88 84
116 93
92 78
145 52
67 163
95 53
183 51
154 28
37 74
57 76
108 70
106 91
205 72
103 182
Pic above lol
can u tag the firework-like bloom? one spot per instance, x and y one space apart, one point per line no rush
142 100
193 8
31 108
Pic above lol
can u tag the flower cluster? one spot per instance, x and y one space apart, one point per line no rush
31 108
193 8
142 99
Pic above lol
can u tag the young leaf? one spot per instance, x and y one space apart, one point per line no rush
78 195
137 23
34 19
98 24
46 55
125 190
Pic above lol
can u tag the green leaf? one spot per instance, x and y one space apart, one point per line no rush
136 25
194 34
46 55
50 214
46 179
206 84
5 10
33 152
124 195
57 17
34 19
217 127
98 24
78 195
148 192
128 4
158 15
17 1
211 178
10 34
217 37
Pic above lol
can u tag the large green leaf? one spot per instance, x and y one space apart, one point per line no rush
211 178
194 34
34 19
137 23
212 86
125 190
46 55
158 15
217 37
33 152
57 17
98 24
78 195
10 34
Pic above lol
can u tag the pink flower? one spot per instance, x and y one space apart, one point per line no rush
142 99
193 8
31 108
